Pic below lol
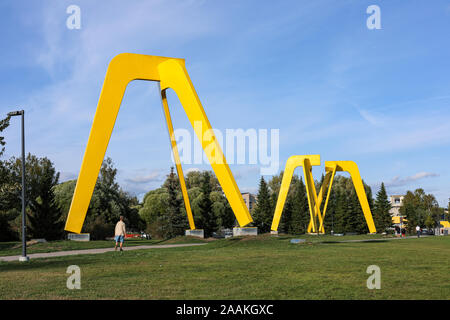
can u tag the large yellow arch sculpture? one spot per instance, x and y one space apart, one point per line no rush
171 73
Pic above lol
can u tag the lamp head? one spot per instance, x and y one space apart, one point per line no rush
15 113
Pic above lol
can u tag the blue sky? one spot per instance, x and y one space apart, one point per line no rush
311 69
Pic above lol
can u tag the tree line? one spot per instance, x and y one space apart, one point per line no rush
421 209
48 201
162 212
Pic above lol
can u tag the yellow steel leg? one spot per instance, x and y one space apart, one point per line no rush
176 157
326 187
352 168
175 76
171 73
292 163
330 172
313 202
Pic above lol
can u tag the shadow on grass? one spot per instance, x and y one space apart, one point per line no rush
7 245
359 241
44 263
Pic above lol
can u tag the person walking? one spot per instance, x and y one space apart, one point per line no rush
418 231
119 233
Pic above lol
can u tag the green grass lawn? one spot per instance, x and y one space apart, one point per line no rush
262 267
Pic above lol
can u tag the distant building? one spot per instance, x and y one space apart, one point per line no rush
249 199
396 203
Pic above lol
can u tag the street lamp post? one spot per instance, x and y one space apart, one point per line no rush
24 225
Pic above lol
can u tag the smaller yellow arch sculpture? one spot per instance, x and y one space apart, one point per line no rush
314 200
331 168
293 162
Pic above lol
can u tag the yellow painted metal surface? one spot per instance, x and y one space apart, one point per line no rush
171 73
445 224
292 163
328 182
314 200
396 219
326 187
176 157
352 168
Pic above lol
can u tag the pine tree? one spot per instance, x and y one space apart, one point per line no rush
340 212
352 212
263 210
328 222
45 214
286 216
208 221
382 216
358 220
176 219
300 212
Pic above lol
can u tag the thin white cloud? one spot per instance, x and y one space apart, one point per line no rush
65 176
252 190
399 181
191 170
372 118
154 176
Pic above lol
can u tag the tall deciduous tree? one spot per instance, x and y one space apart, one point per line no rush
108 202
4 123
420 209
155 204
448 212
8 203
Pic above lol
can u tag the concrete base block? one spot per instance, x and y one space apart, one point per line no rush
195 233
79 237
275 232
24 259
250 231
